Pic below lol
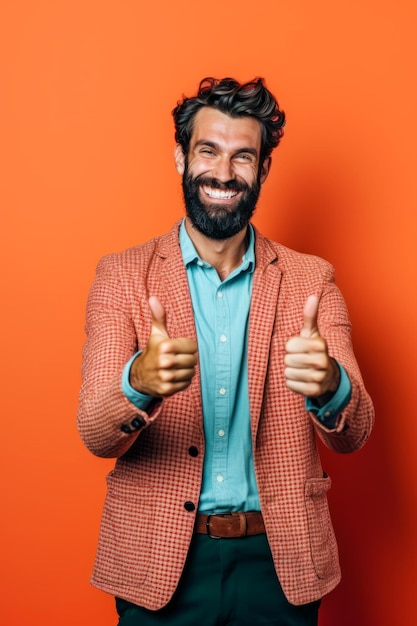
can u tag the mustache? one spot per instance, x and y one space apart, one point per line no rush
214 183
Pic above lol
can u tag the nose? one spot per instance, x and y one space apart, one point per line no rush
223 170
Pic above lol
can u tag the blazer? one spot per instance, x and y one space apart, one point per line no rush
153 490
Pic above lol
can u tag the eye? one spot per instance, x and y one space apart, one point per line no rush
245 157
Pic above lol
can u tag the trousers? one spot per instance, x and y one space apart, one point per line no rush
226 582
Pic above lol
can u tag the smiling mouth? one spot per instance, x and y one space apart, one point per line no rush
220 194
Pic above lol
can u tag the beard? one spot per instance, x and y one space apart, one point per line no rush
212 219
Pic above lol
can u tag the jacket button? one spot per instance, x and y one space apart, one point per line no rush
125 428
138 422
193 451
189 506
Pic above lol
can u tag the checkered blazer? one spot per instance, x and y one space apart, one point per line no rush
153 490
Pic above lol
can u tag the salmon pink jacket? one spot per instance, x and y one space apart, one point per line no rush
153 491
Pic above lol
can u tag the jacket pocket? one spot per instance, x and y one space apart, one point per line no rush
323 546
125 544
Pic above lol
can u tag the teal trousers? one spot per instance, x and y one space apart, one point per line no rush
226 582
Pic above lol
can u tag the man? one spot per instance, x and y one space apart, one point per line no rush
213 358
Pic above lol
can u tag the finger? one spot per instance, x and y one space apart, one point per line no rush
308 375
311 309
158 316
171 360
305 345
177 375
179 346
170 389
309 390
306 360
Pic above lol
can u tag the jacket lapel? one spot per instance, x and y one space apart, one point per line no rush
176 294
179 309
263 313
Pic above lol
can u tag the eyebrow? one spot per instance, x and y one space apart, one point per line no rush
216 146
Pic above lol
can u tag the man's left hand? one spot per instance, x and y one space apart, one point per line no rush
309 370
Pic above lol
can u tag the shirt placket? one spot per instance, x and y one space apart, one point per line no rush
222 399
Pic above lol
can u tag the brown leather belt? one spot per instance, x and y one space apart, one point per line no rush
227 525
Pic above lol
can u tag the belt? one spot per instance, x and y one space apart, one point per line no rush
227 525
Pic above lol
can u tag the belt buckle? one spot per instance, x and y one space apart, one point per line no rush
208 528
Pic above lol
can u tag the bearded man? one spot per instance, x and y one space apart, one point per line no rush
214 358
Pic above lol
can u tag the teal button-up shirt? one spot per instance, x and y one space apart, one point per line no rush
221 313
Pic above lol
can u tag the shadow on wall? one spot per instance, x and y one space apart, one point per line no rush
365 501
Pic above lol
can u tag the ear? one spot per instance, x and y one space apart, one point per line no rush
179 157
266 166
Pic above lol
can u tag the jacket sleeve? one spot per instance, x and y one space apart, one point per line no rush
354 424
107 421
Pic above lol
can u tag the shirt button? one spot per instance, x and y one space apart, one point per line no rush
193 451
220 294
221 433
200 263
223 338
222 391
327 414
219 478
189 506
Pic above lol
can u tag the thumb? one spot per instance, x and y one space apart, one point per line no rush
158 316
311 308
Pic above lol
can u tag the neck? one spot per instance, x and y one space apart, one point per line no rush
224 255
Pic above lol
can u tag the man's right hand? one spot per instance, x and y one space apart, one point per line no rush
166 365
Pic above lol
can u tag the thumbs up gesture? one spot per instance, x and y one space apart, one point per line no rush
166 365
309 370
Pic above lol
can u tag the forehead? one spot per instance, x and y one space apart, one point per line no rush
211 125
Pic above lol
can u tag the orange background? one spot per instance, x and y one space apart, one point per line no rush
86 138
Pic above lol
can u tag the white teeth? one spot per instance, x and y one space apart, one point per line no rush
218 193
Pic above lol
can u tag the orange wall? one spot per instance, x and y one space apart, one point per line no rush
86 140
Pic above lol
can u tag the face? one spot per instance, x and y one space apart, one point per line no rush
222 174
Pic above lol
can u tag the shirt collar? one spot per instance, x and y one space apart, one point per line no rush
190 254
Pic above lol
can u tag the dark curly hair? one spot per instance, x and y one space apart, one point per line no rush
237 100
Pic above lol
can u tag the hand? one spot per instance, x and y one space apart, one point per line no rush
309 369
166 365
